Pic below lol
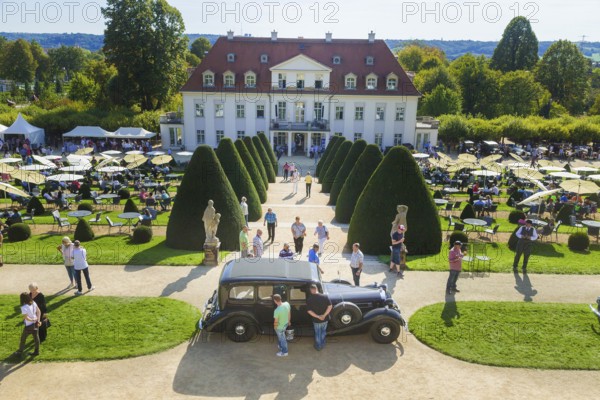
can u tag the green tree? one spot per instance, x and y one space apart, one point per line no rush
356 150
266 160
595 108
83 89
238 176
518 130
253 171
440 101
18 63
199 47
270 152
584 132
357 179
43 71
204 180
330 157
336 163
521 94
416 57
564 71
191 59
145 41
257 160
326 154
453 129
428 79
400 178
478 85
518 48
67 60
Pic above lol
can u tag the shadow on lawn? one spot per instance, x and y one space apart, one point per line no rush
450 311
524 287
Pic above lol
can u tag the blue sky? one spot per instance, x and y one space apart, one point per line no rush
449 20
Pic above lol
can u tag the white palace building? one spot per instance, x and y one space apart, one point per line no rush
299 92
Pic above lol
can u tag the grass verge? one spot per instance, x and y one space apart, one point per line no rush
527 335
91 328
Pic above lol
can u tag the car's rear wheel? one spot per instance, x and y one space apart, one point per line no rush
385 331
240 329
345 315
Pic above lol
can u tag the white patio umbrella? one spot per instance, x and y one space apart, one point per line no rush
462 165
6 169
13 190
420 155
44 161
551 168
65 177
580 186
188 153
76 168
111 152
564 174
137 163
10 160
112 169
28 176
539 184
584 169
85 150
155 153
516 157
594 177
484 173
538 195
107 161
515 165
491 158
134 152
527 173
133 158
160 160
492 166
36 167
467 157
547 163
52 157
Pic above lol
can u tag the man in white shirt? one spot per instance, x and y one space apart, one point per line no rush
527 235
80 264
356 263
257 244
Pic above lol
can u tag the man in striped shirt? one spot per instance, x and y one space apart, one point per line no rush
257 244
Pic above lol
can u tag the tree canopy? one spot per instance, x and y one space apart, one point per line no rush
199 47
518 48
478 85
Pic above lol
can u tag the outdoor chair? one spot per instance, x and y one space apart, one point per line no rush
450 222
29 217
97 219
98 202
114 225
458 227
61 222
115 202
593 231
492 232
457 205
555 230
448 208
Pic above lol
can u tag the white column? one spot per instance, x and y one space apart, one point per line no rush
326 139
289 143
271 136
307 142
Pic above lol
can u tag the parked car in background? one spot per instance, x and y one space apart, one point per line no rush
242 306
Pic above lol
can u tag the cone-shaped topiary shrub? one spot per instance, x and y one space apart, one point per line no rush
326 154
438 195
458 236
266 160
565 213
515 216
239 177
83 231
130 206
268 146
35 204
85 207
252 169
334 167
204 180
396 181
355 183
355 151
254 153
579 241
124 194
19 232
330 157
141 234
467 212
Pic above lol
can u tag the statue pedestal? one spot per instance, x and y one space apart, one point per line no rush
211 254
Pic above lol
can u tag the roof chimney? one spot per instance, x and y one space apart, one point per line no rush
371 37
328 36
274 36
230 35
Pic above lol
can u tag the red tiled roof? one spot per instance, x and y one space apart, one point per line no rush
353 52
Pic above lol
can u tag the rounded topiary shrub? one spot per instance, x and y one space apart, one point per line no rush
579 241
467 212
35 204
19 232
130 206
85 207
124 194
458 236
515 216
565 213
437 195
84 232
142 234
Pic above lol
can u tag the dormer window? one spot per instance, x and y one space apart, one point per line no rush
250 79
371 82
370 60
350 81
264 58
392 82
231 57
228 79
208 79
337 60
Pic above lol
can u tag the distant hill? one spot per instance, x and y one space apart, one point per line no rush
452 48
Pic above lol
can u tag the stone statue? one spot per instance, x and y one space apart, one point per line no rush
211 234
207 218
400 218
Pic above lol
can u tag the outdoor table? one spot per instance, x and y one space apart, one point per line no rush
539 222
129 216
591 224
79 214
450 190
108 196
148 185
173 176
475 223
440 202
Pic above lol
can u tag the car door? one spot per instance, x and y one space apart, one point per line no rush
297 300
265 306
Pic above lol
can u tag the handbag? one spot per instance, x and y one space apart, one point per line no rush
46 321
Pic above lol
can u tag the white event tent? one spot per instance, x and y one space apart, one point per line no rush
21 127
98 132
132 133
87 131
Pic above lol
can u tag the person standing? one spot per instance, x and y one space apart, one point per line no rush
527 235
286 171
455 259
31 316
81 265
313 257
244 206
257 244
40 300
299 232
295 179
356 263
322 234
397 242
244 242
308 181
66 249
318 307
271 222
281 320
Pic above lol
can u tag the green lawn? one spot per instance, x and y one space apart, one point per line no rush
528 335
41 249
546 258
93 328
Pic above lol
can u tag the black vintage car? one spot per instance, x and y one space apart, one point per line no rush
242 306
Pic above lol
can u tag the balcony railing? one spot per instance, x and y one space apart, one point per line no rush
172 118
321 125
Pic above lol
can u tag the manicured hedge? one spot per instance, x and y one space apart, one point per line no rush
124 194
19 232
458 236
85 207
329 160
355 151
130 206
467 212
141 234
257 160
268 146
266 160
579 241
252 169
334 167
326 154
83 231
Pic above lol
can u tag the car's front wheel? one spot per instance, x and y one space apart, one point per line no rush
241 329
345 315
385 331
